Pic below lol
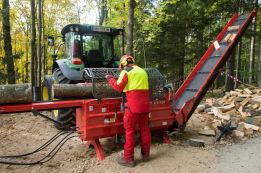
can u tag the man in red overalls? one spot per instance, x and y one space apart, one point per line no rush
133 80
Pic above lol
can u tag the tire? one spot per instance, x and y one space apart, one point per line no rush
67 116
47 88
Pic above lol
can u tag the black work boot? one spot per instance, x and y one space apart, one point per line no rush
145 158
124 162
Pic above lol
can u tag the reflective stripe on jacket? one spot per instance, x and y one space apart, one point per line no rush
133 81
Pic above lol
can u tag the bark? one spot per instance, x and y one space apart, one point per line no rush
103 12
252 50
15 93
8 42
182 58
44 46
33 45
252 55
130 27
72 91
229 84
259 69
39 48
238 62
27 56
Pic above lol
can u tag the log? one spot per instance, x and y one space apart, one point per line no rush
81 90
16 93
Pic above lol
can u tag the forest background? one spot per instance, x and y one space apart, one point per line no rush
170 35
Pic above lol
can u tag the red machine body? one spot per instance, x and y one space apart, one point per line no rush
97 119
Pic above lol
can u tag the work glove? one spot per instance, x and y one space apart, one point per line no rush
108 77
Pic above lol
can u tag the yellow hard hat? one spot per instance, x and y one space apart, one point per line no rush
125 59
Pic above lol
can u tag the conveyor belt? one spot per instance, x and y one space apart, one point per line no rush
195 86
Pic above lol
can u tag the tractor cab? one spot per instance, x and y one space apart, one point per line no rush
92 46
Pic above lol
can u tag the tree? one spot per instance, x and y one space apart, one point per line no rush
8 42
102 10
39 48
33 45
259 67
129 49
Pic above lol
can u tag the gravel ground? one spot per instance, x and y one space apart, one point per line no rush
21 133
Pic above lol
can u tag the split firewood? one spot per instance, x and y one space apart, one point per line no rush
250 126
244 102
227 108
210 102
207 132
243 114
226 38
219 114
255 106
234 93
201 108
238 133
239 90
233 36
247 91
256 100
233 28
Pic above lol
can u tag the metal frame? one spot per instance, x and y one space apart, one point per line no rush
103 118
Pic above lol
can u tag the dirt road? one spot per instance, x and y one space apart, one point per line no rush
244 157
22 133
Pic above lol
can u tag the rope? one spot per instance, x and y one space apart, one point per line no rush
235 79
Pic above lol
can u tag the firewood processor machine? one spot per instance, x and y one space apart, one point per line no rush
89 50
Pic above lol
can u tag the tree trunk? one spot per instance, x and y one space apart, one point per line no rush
238 62
259 68
44 45
182 57
130 27
229 84
15 93
8 42
103 12
26 60
252 50
33 46
252 56
39 49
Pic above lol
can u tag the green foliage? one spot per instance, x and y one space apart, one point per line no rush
169 34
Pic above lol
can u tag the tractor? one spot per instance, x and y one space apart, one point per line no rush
86 46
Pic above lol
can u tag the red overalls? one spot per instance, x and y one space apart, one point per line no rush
133 80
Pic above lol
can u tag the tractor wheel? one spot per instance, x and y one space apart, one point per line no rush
47 88
65 116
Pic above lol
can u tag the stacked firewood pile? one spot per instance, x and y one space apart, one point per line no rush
240 108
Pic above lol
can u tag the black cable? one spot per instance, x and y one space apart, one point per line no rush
58 149
46 144
36 113
53 152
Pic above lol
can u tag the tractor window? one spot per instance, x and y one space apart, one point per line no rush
117 47
73 44
102 45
